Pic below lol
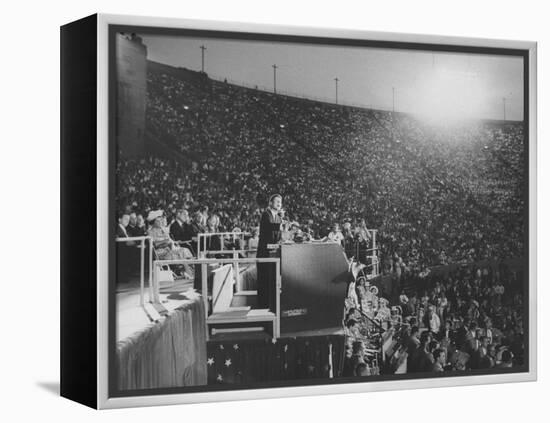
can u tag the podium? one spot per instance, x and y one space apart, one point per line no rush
311 278
314 279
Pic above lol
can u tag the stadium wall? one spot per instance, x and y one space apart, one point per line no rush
131 68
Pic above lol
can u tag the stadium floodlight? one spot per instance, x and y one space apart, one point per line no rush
203 48
449 96
274 78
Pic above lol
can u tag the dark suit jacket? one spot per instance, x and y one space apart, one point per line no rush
270 231
136 231
194 230
214 243
460 336
180 232
120 232
470 343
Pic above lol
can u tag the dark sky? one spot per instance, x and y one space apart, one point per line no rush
442 87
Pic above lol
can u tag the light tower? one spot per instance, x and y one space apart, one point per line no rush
203 48
274 78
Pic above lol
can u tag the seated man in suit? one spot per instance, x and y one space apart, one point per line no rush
141 228
127 255
180 229
213 242
121 229
132 228
195 228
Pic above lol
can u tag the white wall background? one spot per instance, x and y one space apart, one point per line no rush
29 166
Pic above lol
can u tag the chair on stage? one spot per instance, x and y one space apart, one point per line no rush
163 274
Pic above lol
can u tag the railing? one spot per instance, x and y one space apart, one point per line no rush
204 262
374 255
142 240
380 331
202 249
371 253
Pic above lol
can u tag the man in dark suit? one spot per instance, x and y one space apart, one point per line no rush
132 228
446 332
270 233
270 223
125 257
471 342
413 344
180 229
123 222
195 228
461 332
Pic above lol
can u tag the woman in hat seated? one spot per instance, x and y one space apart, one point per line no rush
165 248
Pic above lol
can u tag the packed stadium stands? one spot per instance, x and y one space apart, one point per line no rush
439 195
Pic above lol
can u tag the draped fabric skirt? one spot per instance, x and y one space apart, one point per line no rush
167 354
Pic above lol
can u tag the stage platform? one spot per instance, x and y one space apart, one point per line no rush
162 346
131 317
153 340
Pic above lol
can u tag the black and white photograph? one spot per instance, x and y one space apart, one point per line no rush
297 211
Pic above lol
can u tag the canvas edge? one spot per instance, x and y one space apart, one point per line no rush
104 402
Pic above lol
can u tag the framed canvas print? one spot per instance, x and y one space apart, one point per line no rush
254 211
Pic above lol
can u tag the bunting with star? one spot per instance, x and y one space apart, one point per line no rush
253 361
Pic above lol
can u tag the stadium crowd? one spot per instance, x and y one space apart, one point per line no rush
438 195
466 318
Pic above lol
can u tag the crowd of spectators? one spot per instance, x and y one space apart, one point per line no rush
460 319
437 194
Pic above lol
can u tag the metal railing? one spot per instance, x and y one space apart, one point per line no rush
142 240
371 253
204 262
203 250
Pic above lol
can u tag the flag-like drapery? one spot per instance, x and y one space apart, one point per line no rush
284 359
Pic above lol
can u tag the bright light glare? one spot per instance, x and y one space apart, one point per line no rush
449 96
